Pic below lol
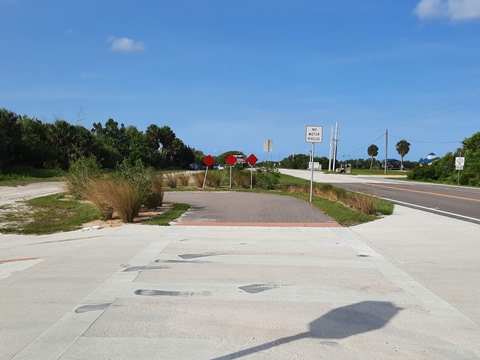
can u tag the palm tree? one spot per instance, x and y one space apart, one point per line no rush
403 147
372 152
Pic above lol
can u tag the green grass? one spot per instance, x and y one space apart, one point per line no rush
337 211
27 175
49 214
341 213
165 218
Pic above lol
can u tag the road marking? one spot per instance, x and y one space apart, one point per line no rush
20 259
433 210
424 192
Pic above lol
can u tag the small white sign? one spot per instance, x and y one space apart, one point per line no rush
313 134
268 145
459 161
458 167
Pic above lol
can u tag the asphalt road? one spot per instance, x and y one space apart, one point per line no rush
453 201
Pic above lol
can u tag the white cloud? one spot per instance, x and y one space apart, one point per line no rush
453 9
125 45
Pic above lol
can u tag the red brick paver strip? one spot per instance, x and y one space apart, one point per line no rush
264 224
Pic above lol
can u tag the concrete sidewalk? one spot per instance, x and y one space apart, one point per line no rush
396 288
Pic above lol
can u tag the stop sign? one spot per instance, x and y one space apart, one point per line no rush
252 159
231 160
208 160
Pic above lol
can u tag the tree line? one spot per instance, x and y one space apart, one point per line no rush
26 141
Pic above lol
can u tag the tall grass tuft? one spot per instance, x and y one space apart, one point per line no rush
118 195
125 191
214 179
172 180
184 179
241 179
198 178
364 203
155 196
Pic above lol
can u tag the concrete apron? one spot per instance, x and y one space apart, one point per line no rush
251 292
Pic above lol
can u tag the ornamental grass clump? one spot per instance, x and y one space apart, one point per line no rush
214 179
184 179
172 180
126 191
116 195
198 178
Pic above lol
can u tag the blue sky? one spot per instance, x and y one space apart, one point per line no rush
227 75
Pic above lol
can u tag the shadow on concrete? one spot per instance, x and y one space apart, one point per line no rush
339 323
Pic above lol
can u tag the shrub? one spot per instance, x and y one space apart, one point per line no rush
80 173
364 203
137 175
155 196
268 178
172 180
184 179
198 178
214 179
126 191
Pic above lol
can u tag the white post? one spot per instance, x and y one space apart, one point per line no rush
311 180
251 177
205 178
330 153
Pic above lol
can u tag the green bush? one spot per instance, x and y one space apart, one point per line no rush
268 177
81 172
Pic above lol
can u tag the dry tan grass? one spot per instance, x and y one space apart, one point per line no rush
184 179
172 180
120 196
214 179
198 178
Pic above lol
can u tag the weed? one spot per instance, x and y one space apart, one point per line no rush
198 178
172 180
214 179
184 179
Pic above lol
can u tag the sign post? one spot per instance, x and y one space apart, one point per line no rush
207 160
231 160
313 134
252 159
459 164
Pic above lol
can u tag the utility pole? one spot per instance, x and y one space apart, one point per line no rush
335 142
386 150
330 153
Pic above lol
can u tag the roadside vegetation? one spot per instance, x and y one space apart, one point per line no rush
24 175
45 215
133 188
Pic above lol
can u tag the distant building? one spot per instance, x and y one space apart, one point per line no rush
430 158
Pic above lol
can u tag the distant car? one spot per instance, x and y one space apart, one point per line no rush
218 167
197 167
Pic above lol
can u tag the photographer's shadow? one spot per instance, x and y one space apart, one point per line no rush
339 323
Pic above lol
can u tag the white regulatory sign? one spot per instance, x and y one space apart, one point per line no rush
314 134
459 161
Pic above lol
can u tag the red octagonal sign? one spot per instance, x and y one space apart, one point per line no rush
208 160
231 160
252 159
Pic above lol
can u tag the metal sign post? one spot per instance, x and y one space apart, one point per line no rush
313 134
459 164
